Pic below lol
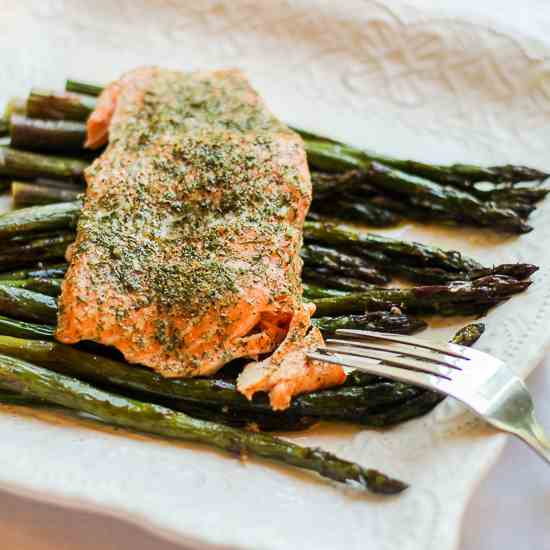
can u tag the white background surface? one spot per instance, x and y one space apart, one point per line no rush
509 511
442 80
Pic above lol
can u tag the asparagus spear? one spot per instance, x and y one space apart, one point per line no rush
56 136
441 299
27 305
315 256
329 183
446 201
22 329
417 404
437 265
15 254
85 88
50 287
23 164
363 211
36 382
249 421
327 154
313 292
50 105
530 195
382 321
39 218
325 277
40 271
334 234
346 402
32 194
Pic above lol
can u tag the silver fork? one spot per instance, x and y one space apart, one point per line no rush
482 382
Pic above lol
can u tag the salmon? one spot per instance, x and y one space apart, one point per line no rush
186 255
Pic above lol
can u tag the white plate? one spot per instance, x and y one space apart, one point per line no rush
466 82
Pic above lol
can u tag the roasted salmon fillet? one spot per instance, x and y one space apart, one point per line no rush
186 254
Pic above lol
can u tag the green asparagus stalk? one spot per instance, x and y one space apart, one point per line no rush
249 421
440 299
461 175
27 305
50 287
38 219
346 402
22 329
85 88
325 277
60 184
56 136
328 184
349 264
32 194
36 382
11 398
40 271
381 321
335 235
15 254
23 164
316 256
363 212
313 292
455 204
49 105
530 195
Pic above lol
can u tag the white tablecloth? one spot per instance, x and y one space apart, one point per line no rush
510 510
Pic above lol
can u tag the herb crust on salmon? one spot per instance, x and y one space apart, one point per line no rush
187 250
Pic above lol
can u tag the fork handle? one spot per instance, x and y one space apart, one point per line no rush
533 434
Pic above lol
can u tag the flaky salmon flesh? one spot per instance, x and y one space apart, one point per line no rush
187 249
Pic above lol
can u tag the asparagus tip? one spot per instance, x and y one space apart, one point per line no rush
379 483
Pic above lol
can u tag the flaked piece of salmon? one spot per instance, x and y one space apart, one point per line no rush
186 254
288 372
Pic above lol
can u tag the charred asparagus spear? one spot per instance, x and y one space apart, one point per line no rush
23 164
56 136
337 235
349 402
333 156
40 383
15 254
50 287
441 299
349 265
32 194
38 219
381 321
40 271
49 105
